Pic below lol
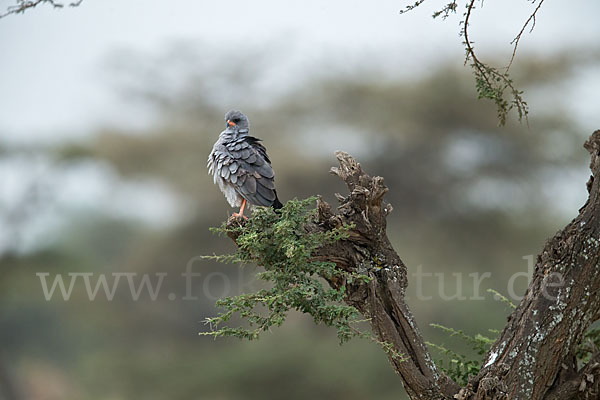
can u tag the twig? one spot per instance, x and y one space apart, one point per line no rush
517 38
490 82
470 50
411 7
22 5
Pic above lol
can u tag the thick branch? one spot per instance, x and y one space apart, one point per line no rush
368 251
559 306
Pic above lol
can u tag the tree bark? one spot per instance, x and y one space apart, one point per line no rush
368 251
533 358
560 304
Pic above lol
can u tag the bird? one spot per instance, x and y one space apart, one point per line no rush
241 167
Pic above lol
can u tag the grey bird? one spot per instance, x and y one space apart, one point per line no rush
240 166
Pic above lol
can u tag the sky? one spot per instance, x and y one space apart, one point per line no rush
54 84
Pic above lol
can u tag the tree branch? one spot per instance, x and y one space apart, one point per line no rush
515 41
23 5
557 309
489 81
368 251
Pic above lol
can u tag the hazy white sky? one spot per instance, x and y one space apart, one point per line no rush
53 82
51 79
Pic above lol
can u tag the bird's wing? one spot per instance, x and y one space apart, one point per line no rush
243 163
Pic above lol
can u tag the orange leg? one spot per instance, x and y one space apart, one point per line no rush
241 213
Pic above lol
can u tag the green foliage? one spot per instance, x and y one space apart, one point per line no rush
458 366
589 345
502 298
279 242
492 83
446 10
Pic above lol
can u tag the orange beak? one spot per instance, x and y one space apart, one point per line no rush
230 123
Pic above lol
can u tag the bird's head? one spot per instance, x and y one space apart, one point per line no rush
236 119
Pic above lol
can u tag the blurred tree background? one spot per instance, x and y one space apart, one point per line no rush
468 197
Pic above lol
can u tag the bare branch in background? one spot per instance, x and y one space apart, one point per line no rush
411 7
23 5
491 83
517 38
